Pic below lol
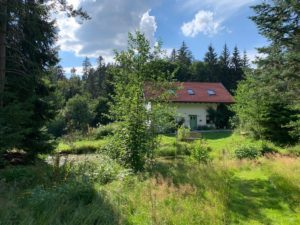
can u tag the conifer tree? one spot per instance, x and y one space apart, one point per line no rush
276 81
29 54
211 57
224 59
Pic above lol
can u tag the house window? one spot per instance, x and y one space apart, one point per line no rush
191 92
211 92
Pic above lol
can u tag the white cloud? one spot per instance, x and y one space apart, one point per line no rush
224 7
148 26
108 29
203 22
253 55
209 21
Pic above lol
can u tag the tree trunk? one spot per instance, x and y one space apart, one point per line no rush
3 29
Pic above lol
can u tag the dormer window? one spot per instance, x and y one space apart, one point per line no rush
191 92
211 92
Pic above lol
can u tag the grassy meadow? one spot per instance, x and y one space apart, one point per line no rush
87 187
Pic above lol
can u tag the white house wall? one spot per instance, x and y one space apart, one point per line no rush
200 109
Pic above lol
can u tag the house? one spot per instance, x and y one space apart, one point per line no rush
193 99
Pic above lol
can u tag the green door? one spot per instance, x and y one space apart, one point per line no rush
193 122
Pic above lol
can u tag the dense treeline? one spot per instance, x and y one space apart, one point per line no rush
39 102
83 100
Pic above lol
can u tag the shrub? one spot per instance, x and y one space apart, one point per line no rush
109 129
247 152
78 113
266 149
200 152
177 148
183 133
295 150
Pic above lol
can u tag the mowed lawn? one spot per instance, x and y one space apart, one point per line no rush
175 191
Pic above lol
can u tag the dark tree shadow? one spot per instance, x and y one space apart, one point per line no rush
248 198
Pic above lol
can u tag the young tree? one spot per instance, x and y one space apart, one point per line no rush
78 113
134 72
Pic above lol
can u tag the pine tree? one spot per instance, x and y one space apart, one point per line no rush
184 55
236 62
173 55
224 59
183 61
212 68
211 57
245 60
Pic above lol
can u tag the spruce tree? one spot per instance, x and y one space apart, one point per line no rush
211 57
211 60
26 102
224 59
236 61
275 84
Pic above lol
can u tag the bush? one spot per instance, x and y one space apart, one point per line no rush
247 152
200 152
295 150
78 113
183 133
176 149
266 149
109 129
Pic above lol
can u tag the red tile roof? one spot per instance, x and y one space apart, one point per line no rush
200 90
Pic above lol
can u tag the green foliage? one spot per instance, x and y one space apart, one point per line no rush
183 133
57 126
101 110
247 152
267 101
107 130
265 116
294 150
141 119
78 113
200 151
27 104
221 116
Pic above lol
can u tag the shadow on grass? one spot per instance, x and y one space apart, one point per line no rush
249 198
216 135
46 194
244 200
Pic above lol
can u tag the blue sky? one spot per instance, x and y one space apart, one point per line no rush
197 22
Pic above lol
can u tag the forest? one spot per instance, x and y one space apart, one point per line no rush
86 149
